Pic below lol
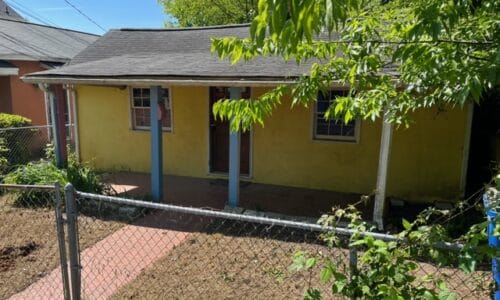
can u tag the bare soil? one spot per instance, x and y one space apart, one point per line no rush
28 244
216 266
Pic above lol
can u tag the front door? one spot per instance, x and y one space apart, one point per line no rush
219 137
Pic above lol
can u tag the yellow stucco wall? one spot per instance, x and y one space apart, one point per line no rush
426 159
107 140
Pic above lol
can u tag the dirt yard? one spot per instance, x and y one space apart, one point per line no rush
216 266
28 244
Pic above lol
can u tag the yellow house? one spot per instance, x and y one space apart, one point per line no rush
143 103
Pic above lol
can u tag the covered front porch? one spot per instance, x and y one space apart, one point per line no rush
213 193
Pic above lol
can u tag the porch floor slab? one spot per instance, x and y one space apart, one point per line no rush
212 193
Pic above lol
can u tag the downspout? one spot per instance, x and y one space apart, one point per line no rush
47 111
73 116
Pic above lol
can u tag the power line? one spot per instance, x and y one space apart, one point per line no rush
44 21
83 14
23 9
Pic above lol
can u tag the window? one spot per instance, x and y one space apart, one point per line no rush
141 109
332 129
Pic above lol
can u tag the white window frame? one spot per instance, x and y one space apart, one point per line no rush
132 109
327 137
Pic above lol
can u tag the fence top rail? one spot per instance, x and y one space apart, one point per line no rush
256 219
26 127
32 127
27 186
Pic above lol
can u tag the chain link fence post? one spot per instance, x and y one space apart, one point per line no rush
61 240
74 255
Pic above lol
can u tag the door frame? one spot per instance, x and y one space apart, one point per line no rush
209 152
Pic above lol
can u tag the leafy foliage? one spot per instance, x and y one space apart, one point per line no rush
35 173
395 56
388 269
209 12
45 172
15 141
10 121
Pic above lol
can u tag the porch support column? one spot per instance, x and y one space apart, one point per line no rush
383 165
234 158
156 145
58 132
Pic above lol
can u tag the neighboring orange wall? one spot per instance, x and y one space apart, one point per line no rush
27 99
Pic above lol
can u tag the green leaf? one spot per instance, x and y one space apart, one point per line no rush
407 225
311 263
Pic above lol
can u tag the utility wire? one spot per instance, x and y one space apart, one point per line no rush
83 14
44 21
26 11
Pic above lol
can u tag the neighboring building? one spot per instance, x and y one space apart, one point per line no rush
113 76
26 48
6 12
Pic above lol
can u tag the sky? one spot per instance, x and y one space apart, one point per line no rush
108 14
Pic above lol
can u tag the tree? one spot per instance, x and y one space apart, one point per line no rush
396 56
191 13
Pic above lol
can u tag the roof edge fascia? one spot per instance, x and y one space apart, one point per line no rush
242 82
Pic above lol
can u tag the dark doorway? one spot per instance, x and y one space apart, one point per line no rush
219 137
484 154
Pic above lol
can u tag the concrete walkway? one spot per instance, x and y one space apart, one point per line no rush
112 263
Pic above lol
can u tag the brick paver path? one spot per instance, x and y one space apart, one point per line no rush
111 263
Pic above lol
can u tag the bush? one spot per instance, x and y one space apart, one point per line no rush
39 173
9 121
82 176
16 141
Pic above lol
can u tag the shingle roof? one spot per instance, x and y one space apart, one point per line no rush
6 12
179 53
21 40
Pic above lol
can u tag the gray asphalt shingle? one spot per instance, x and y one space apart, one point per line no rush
21 40
169 53
6 12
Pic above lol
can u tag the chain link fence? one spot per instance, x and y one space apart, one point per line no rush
187 253
20 145
24 144
30 241
101 247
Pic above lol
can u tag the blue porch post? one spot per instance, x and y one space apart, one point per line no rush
156 146
56 125
234 158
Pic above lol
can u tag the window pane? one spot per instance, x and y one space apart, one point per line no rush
136 92
333 128
164 93
141 103
348 130
323 106
322 129
141 116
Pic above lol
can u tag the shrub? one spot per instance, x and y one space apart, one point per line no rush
38 173
10 121
16 141
82 176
